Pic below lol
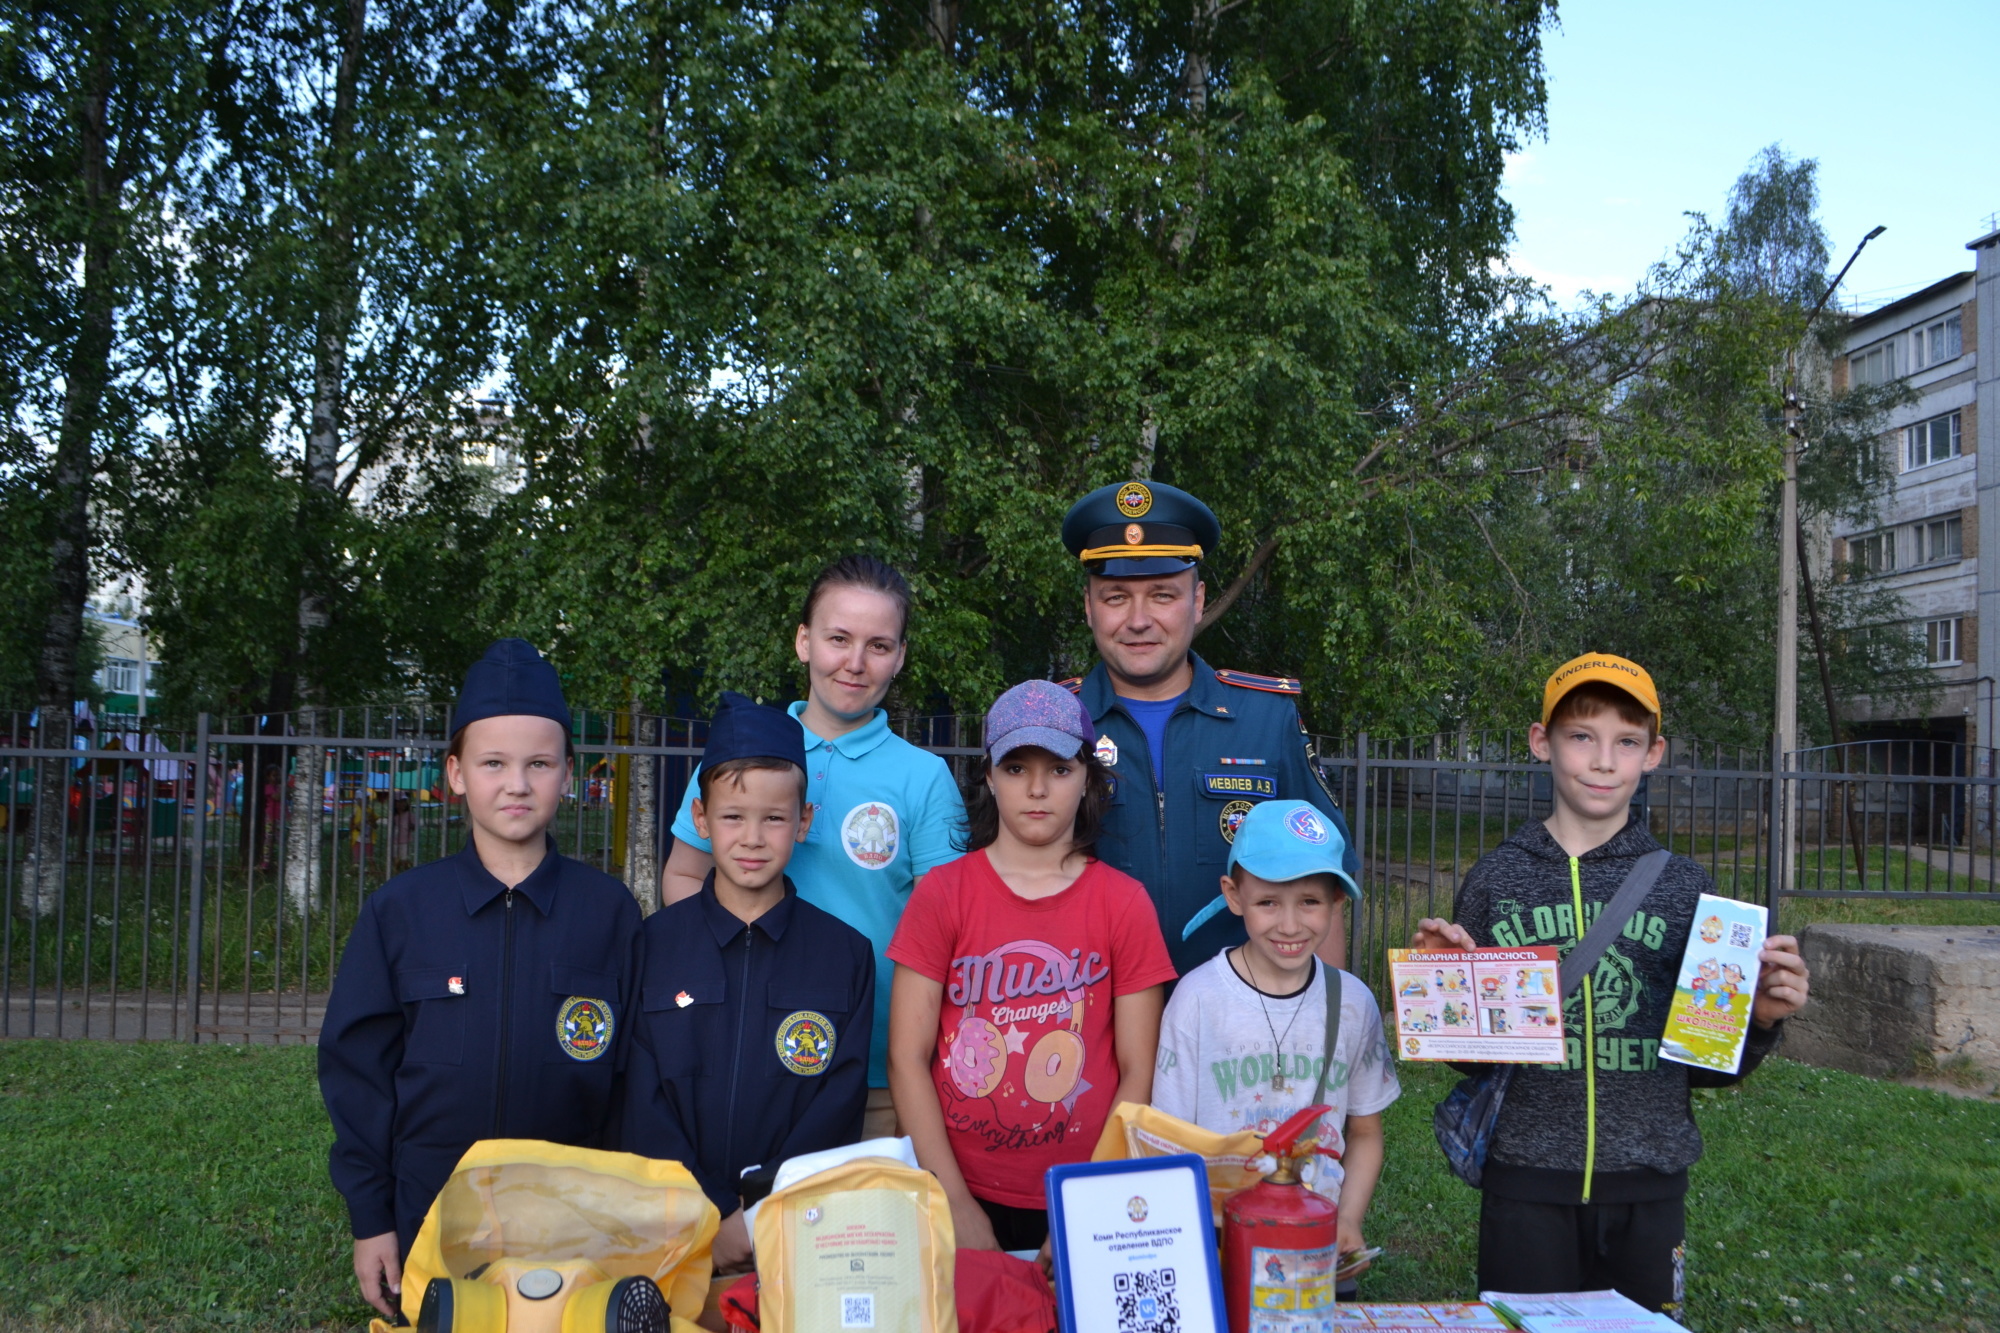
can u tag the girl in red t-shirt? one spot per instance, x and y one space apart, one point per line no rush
1030 979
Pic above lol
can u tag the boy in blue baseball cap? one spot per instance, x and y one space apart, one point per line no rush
1264 1029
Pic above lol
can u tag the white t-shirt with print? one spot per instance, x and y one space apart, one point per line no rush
1217 1057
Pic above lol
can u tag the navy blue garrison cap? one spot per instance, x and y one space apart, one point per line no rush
1133 529
512 680
745 729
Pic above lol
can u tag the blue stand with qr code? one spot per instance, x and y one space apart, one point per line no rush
1134 1247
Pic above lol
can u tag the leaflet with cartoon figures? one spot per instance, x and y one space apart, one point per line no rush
1491 1005
1710 1015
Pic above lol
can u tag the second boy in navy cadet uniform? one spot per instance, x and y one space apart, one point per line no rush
756 1006
482 996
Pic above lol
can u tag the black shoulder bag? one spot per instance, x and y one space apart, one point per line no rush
1464 1120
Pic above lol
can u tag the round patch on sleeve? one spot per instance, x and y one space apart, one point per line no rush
583 1027
805 1042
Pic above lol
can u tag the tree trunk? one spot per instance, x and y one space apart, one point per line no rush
322 460
84 378
642 838
941 22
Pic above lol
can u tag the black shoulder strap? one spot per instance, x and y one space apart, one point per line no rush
1638 882
1334 987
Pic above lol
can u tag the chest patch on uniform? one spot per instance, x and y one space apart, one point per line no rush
1254 785
870 833
1107 752
1232 819
583 1027
805 1042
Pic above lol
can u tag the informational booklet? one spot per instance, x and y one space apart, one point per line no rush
1429 1316
1578 1312
1497 1006
1710 1014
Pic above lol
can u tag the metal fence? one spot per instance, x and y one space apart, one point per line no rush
1877 819
199 884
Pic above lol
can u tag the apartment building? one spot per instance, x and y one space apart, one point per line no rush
1935 542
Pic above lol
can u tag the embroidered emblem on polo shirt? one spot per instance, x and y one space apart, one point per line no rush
583 1027
805 1042
870 833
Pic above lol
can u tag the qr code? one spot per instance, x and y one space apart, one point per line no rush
857 1311
1146 1301
1739 935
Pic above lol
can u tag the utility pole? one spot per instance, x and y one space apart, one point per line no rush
1789 544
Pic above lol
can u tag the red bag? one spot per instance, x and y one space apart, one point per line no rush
997 1293
994 1292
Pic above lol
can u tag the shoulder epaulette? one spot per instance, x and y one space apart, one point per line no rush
1074 684
1245 680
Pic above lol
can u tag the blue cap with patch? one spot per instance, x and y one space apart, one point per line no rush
1133 529
1286 840
511 680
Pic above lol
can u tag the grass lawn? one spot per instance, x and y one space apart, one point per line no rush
163 1187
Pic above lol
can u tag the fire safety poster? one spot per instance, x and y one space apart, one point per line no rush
1496 1006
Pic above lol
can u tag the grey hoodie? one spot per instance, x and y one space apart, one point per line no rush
1519 894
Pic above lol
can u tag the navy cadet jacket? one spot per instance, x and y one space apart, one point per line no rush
1235 740
464 1011
752 1043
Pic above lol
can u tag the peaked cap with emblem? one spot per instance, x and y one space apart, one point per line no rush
511 680
1136 529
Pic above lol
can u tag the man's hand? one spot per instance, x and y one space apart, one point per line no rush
1434 932
732 1252
1782 981
379 1268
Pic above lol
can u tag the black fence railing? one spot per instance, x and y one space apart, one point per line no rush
199 883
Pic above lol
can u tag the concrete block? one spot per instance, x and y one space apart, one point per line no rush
1881 994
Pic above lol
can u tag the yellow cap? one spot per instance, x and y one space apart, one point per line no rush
1627 676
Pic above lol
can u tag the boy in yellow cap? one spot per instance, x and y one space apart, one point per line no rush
1586 1176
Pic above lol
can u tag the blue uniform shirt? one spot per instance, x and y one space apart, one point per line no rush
1173 836
888 813
752 1041
464 1011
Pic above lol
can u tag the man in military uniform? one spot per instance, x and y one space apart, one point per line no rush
1191 749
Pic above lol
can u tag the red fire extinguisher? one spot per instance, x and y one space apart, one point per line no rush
1280 1239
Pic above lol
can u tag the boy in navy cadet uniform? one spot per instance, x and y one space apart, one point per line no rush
481 996
1191 749
757 1007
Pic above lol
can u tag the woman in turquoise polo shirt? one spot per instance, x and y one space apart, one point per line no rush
886 812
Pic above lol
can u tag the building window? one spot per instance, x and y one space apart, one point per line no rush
1940 539
1941 640
1876 365
120 675
1934 344
1874 553
1931 441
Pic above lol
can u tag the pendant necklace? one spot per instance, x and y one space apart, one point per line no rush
1278 1083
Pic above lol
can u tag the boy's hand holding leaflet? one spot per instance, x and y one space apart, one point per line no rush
1435 933
1782 985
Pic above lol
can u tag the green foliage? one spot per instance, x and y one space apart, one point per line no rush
767 286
